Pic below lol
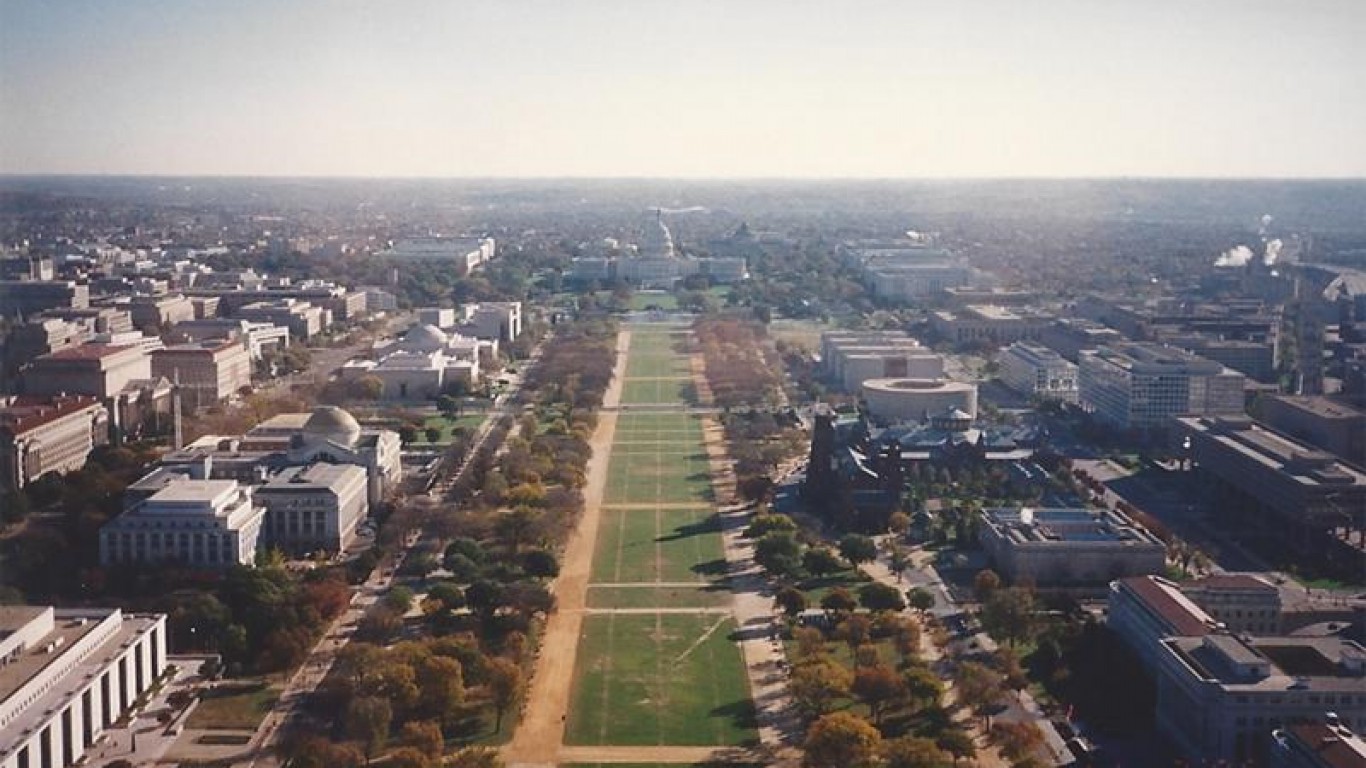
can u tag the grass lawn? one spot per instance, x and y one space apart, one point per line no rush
234 707
674 679
469 421
647 364
653 300
646 596
658 478
816 588
648 545
665 390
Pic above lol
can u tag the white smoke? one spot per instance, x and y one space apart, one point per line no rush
1273 252
1266 223
1237 256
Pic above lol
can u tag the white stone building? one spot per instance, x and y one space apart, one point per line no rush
1037 371
312 508
1143 386
67 675
202 523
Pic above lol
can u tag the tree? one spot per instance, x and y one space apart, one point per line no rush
978 686
923 687
877 686
368 387
821 561
1017 740
474 757
838 600
515 526
441 687
424 736
791 600
958 743
816 685
877 596
898 522
857 548
855 630
505 686
1008 615
985 584
486 597
367 720
770 523
399 599
841 740
779 553
433 434
920 599
912 752
540 563
409 757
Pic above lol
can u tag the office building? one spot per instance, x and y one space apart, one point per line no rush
1071 549
1332 425
1145 609
39 435
315 507
1254 359
499 321
303 320
97 369
67 675
1070 335
206 371
1277 492
850 358
1038 372
904 270
1142 386
466 253
199 523
258 337
1244 603
985 324
152 313
29 297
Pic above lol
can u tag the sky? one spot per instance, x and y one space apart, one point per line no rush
684 88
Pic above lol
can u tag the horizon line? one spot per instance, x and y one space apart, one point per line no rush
756 178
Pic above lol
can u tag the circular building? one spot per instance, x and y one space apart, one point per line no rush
893 400
331 424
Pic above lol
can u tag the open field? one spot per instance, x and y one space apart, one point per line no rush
234 707
657 477
656 679
657 390
652 596
655 364
653 545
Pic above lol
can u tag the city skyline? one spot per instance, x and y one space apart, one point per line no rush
792 90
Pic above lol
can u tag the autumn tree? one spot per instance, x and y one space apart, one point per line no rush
958 743
367 720
505 686
816 685
878 686
985 584
857 548
912 752
876 596
841 740
791 600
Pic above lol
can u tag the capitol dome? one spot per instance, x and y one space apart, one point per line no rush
332 424
427 338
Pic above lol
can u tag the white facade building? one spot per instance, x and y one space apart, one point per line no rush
314 507
1037 371
902 400
67 675
204 523
1142 386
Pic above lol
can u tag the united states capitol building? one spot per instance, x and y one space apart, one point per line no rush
656 262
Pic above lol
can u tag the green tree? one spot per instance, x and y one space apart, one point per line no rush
791 600
838 601
821 561
769 523
978 686
540 563
857 548
1008 615
958 743
985 584
433 434
779 553
920 599
367 720
841 740
876 596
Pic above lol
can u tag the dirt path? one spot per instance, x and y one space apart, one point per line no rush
540 734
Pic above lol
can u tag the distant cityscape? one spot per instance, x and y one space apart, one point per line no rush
354 472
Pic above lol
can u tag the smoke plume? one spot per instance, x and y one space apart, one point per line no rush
1237 256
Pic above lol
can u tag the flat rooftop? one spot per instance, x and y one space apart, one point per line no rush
194 491
1026 525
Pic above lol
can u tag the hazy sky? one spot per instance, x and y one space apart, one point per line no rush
653 88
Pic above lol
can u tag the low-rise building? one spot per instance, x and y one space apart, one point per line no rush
850 358
497 320
1221 696
985 323
101 370
303 320
1143 386
1278 492
900 400
68 675
313 508
258 337
1068 336
1321 744
1074 549
156 312
39 435
1242 602
1144 609
29 297
379 299
200 523
1254 359
206 371
1037 371
1335 426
